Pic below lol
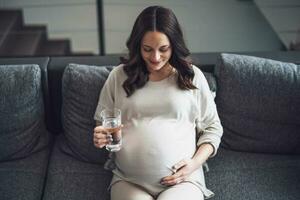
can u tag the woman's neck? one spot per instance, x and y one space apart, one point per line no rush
161 74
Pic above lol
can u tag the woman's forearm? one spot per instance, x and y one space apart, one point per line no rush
202 154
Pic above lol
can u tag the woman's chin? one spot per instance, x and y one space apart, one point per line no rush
155 67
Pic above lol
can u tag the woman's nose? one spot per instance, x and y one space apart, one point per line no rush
155 56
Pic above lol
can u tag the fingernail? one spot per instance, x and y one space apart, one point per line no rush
174 167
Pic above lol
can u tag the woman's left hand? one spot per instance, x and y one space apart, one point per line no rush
182 171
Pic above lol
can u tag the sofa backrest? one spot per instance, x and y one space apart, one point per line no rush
81 86
258 101
42 62
22 124
52 70
205 61
56 68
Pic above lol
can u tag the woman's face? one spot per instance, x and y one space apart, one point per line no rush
156 50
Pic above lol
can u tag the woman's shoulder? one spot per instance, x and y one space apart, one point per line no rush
117 73
197 70
199 76
118 70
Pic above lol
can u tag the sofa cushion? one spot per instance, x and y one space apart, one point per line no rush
81 86
24 178
70 178
56 68
258 101
252 176
211 80
22 129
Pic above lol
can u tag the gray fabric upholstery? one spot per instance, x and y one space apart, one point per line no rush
80 92
251 176
55 71
69 178
211 81
258 102
24 178
22 129
42 62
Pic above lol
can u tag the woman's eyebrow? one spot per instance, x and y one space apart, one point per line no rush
159 47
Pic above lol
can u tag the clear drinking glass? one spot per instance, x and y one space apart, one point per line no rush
111 121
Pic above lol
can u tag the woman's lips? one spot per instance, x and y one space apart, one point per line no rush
154 63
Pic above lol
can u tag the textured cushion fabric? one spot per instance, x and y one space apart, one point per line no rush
42 62
252 176
24 178
22 129
258 101
69 178
81 86
56 68
211 81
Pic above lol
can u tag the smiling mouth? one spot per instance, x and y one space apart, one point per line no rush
154 63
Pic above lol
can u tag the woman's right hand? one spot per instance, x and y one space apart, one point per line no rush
101 138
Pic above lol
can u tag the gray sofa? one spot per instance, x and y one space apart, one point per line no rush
46 126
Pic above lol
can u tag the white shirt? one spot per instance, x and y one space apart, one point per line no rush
160 122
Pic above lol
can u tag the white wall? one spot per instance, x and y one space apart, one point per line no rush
284 17
208 25
72 19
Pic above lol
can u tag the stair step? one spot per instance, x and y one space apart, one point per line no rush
10 21
22 43
41 28
30 40
58 47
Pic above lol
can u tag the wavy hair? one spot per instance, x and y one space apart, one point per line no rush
156 18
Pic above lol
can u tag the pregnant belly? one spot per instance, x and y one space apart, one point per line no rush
150 149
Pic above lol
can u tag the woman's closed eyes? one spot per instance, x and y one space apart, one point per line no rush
162 49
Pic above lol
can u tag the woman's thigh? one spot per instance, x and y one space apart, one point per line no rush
182 191
123 190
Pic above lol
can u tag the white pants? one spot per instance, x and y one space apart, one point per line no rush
123 190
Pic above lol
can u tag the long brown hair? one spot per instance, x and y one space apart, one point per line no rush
156 18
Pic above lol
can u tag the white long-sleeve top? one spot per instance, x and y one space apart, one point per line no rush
160 125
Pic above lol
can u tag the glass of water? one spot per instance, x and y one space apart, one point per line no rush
111 121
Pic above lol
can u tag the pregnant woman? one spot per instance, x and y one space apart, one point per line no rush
165 102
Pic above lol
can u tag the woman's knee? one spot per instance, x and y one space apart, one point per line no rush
182 191
123 190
